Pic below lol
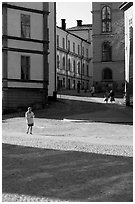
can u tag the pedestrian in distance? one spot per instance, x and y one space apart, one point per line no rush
106 96
29 115
92 91
112 99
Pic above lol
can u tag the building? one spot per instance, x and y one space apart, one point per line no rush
25 51
74 60
82 30
108 61
127 8
52 88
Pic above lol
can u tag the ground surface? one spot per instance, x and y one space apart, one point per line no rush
80 150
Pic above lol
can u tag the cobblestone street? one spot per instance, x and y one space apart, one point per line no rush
81 150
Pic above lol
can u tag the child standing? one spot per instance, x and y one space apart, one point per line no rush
29 115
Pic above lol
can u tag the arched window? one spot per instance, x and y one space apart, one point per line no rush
106 52
107 74
106 19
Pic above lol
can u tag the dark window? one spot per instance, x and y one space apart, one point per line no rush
106 52
78 67
87 53
58 62
25 26
69 64
25 67
82 50
87 70
69 45
107 74
58 40
74 66
78 49
73 47
63 82
63 62
83 69
106 19
63 43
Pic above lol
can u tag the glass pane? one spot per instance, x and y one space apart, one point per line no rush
25 26
104 13
108 13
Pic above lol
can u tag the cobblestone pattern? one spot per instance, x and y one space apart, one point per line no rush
7 197
56 143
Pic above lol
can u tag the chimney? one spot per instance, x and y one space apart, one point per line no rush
63 24
79 22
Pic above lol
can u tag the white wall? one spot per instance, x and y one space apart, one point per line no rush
32 5
52 49
14 65
128 16
14 24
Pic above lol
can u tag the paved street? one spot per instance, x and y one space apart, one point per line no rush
71 137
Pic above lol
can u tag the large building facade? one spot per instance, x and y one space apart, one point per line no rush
127 8
108 62
25 54
74 60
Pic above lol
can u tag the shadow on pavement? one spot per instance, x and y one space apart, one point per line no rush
82 110
67 175
61 108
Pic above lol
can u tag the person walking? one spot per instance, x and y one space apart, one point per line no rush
106 96
112 99
92 91
29 115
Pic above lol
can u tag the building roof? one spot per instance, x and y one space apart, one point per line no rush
125 5
74 35
81 27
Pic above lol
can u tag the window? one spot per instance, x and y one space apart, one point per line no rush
63 62
131 39
25 26
73 47
82 50
78 67
69 45
107 74
63 43
58 40
73 84
69 64
87 53
58 62
25 67
106 52
83 69
78 49
87 70
106 19
74 66
63 82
